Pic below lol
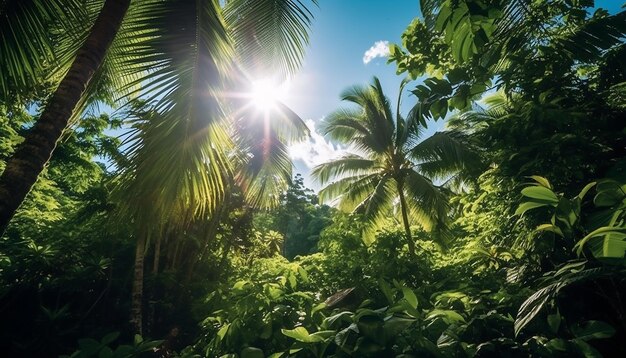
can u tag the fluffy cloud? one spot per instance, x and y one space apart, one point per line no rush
379 49
314 151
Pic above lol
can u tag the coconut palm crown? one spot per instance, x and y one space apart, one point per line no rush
389 166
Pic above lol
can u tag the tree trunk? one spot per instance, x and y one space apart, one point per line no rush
136 308
23 168
405 219
157 256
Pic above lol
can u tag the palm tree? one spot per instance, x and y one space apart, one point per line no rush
179 54
389 165
181 57
24 167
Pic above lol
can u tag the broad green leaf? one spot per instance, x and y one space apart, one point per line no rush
529 205
302 335
239 285
324 335
109 338
252 352
542 181
587 350
610 233
395 325
409 296
593 330
345 315
447 315
541 193
550 227
557 344
222 331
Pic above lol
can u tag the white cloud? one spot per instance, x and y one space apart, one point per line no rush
379 49
316 150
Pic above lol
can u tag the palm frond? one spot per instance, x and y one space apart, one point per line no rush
428 203
29 52
445 154
347 165
267 173
594 37
183 52
350 192
168 174
270 36
343 125
429 10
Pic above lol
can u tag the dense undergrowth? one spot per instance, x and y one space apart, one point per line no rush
520 253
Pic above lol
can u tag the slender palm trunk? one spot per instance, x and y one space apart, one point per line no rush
157 256
136 308
30 158
405 219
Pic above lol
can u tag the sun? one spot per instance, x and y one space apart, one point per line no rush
266 94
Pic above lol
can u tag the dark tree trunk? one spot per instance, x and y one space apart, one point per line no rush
136 308
405 219
30 158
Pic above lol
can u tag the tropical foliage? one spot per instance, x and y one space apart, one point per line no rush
503 235
389 162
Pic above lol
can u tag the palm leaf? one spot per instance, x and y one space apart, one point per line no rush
30 53
269 35
348 164
428 203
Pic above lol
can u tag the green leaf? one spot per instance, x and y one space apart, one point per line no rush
395 325
409 296
542 181
448 316
105 352
557 344
593 330
585 190
137 339
222 331
587 350
371 326
341 316
252 352
550 227
386 290
109 338
541 193
302 335
613 235
529 205
303 274
554 321
89 346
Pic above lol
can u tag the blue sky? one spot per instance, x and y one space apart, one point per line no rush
343 30
341 34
